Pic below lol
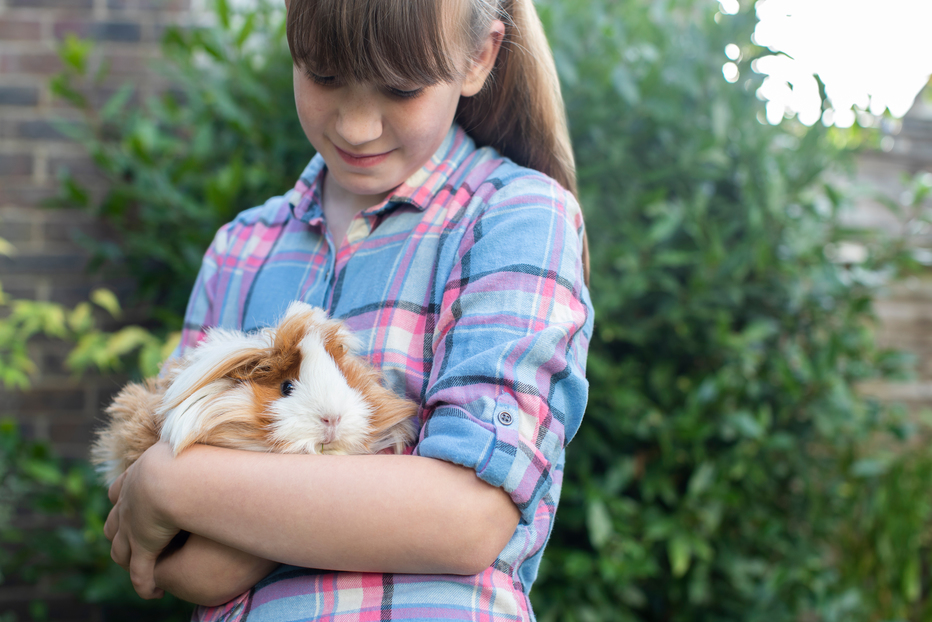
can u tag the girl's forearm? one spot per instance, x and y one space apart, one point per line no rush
208 573
382 513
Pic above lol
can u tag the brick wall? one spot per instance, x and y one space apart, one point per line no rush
905 309
48 265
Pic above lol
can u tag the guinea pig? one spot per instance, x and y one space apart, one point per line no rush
299 387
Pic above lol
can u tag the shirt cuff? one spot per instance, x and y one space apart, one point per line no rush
492 445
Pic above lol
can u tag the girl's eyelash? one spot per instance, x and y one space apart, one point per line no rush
322 80
405 94
396 92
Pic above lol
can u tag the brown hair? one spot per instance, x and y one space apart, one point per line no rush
520 110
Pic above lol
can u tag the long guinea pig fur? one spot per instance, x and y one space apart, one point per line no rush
296 388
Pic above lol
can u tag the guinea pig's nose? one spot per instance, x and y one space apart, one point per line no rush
330 427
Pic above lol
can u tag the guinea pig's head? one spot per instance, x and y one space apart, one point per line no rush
323 403
282 389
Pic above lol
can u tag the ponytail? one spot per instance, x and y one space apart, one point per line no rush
520 111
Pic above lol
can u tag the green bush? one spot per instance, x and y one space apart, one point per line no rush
222 136
51 511
62 538
727 467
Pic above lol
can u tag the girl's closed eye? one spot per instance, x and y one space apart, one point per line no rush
404 93
394 91
321 80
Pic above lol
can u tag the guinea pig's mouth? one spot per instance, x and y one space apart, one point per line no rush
333 449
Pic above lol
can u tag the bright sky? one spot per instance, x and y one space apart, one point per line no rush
871 55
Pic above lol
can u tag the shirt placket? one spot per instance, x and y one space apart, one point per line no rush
359 229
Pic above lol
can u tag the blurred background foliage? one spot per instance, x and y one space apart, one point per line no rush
728 468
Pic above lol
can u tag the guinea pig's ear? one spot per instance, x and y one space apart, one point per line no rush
349 343
223 353
302 318
304 311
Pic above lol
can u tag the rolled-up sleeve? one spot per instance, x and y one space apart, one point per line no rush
201 305
507 389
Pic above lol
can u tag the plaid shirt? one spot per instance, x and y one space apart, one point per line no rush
465 287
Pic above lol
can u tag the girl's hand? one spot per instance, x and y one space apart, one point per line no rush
208 573
136 526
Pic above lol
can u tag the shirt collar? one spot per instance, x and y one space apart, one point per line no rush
418 190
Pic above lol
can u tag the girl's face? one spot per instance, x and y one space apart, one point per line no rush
374 136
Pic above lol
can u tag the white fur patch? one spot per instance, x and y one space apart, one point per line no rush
187 420
319 316
215 352
321 392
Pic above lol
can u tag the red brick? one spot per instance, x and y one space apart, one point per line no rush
23 287
47 399
76 165
15 233
20 30
128 64
52 4
10 400
41 63
25 194
78 27
19 96
150 5
46 263
70 430
60 233
99 31
15 164
32 129
70 292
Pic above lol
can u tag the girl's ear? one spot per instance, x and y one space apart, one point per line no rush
484 60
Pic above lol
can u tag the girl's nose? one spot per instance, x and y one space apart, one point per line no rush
359 120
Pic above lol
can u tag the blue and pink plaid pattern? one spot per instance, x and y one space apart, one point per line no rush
465 286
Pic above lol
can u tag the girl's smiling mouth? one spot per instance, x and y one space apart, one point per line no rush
362 160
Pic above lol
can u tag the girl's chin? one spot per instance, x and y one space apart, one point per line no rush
363 183
359 188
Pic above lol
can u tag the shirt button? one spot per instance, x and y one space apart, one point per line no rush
505 417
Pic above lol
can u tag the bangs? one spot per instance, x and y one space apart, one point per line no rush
384 41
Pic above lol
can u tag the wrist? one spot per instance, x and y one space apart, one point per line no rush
157 468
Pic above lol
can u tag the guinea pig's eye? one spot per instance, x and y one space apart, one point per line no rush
287 388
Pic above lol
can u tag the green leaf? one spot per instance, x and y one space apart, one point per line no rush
117 102
249 25
74 53
43 472
105 299
701 479
679 552
223 13
599 522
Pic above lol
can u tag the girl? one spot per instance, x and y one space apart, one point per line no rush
438 221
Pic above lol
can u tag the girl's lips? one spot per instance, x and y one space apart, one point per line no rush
362 160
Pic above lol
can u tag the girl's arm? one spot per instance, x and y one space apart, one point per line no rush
382 513
208 573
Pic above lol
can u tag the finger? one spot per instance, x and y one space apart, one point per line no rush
120 553
113 493
142 574
112 526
